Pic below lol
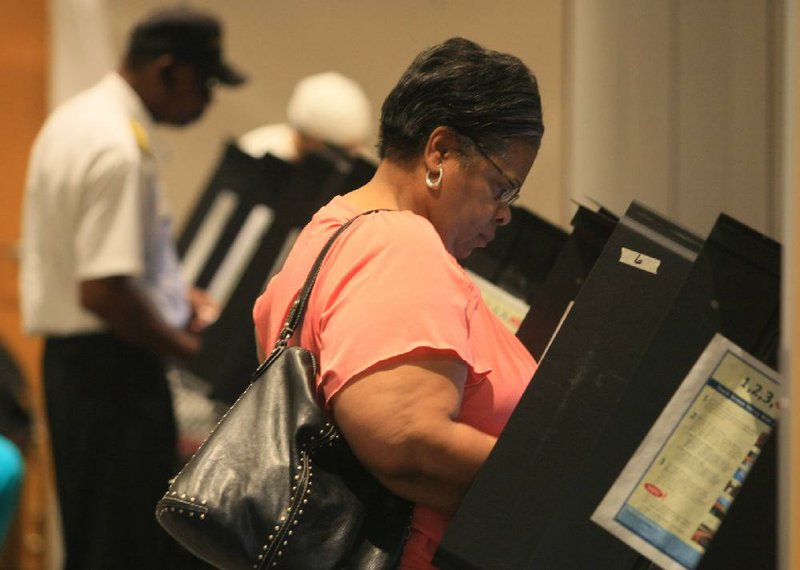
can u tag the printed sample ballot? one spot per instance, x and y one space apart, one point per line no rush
673 494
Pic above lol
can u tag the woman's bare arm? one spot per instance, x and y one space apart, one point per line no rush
398 419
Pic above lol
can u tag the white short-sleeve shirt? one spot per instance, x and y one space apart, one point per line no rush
94 208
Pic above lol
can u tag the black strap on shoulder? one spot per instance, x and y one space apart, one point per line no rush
298 307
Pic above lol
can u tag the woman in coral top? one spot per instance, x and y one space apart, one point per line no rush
419 375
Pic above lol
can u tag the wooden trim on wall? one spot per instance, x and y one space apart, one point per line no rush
23 63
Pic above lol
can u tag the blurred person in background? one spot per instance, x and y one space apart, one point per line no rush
101 282
15 435
326 111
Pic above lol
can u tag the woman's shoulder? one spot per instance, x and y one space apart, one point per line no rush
394 247
385 244
378 229
400 229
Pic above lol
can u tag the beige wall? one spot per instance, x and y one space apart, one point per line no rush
278 43
674 106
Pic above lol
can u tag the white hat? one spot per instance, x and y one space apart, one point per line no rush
331 107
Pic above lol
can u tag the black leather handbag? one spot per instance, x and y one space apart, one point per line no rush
275 486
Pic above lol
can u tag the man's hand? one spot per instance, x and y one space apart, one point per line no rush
121 303
205 310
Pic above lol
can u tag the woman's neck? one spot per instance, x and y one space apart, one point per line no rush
394 187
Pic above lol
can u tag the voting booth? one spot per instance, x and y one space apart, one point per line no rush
551 300
520 257
237 237
646 436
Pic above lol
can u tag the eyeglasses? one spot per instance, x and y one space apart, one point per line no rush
510 194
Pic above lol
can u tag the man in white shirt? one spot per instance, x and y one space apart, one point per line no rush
100 281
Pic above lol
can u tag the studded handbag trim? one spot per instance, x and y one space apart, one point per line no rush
301 491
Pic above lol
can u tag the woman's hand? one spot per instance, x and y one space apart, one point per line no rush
398 419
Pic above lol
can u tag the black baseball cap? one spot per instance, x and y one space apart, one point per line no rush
190 35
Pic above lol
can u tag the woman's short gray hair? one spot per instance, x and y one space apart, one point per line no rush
487 96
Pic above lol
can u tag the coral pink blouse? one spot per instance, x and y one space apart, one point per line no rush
389 286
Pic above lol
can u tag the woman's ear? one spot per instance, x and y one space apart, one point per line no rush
441 144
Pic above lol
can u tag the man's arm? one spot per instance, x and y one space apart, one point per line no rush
122 304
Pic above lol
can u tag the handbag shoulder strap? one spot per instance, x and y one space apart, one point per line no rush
298 307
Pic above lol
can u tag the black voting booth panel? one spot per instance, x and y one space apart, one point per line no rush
290 194
732 288
239 173
521 255
590 231
529 475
